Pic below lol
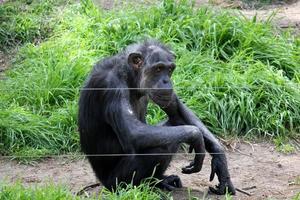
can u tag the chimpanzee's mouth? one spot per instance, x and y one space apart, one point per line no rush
161 99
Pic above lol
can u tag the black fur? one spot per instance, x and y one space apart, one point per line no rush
112 110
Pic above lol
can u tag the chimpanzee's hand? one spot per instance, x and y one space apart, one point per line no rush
191 168
219 167
196 164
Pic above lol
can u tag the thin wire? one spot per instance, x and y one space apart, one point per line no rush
180 88
108 155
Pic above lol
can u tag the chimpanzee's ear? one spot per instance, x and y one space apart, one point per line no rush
135 60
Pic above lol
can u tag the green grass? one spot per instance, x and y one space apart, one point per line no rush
27 21
283 145
297 197
47 192
52 191
143 191
242 77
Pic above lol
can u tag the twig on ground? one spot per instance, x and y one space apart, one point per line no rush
224 143
249 188
240 152
243 191
83 190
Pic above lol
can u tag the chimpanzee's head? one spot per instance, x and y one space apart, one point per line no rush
154 65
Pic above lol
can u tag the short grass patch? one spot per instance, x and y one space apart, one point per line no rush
27 21
52 191
47 192
240 76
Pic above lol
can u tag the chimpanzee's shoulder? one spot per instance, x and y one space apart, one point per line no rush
108 72
109 63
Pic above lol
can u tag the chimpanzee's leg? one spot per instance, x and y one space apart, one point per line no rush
134 169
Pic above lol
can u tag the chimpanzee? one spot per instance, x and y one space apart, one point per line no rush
112 121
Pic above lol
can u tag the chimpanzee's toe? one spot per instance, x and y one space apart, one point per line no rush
223 188
170 183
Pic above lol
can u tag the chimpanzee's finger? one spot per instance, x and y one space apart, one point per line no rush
190 170
191 164
191 149
213 171
187 170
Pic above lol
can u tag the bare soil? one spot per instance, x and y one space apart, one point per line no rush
287 12
287 15
269 173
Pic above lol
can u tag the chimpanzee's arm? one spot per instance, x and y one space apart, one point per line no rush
179 113
135 135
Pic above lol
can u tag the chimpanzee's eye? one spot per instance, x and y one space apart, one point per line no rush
158 69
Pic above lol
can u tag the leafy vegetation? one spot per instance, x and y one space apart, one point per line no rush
18 191
143 192
297 197
26 21
283 145
240 76
51 191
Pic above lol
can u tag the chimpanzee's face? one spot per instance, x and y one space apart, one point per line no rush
155 69
156 75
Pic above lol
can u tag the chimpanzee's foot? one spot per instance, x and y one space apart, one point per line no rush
170 183
222 188
219 167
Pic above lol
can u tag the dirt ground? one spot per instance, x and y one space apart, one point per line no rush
287 15
269 173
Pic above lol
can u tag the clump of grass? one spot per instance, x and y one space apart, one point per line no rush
26 134
49 191
296 197
236 74
283 145
26 21
143 191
